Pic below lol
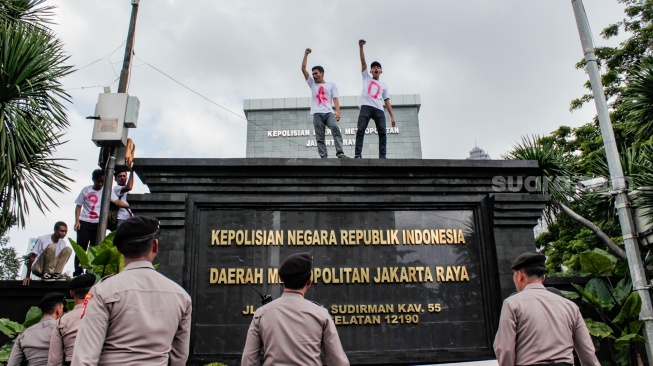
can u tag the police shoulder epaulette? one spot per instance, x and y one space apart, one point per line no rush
105 277
316 303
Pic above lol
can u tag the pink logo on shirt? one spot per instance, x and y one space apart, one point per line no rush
321 96
373 90
93 199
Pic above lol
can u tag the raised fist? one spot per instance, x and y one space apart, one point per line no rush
361 42
308 50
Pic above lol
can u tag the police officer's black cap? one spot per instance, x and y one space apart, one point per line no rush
529 259
85 280
137 227
52 298
296 264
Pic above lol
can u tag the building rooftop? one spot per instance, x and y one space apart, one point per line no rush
304 102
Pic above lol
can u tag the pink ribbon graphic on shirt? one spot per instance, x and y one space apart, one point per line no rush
93 198
321 96
373 90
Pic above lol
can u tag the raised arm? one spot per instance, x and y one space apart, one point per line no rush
361 42
306 75
130 182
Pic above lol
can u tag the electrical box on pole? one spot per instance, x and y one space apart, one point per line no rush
114 114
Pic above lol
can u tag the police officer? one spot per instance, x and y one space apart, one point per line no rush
137 317
65 329
292 330
33 343
538 326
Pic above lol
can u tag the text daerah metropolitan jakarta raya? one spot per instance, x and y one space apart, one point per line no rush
343 275
337 237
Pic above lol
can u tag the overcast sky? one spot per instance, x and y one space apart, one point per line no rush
488 71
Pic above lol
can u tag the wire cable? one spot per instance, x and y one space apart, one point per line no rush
216 104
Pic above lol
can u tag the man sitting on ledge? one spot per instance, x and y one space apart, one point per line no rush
49 256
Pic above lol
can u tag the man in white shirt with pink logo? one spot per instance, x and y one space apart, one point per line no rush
322 92
87 214
374 96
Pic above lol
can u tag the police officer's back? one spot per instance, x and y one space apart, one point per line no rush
64 331
33 343
137 317
538 326
292 330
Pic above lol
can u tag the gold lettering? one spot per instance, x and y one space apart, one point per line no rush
450 276
461 237
214 237
427 274
273 275
464 276
213 276
439 271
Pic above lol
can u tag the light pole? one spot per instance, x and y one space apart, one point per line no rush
111 162
619 187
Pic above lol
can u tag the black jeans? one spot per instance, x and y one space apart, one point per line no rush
367 113
87 234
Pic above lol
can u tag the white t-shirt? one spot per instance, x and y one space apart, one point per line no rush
123 213
374 92
321 96
90 200
43 241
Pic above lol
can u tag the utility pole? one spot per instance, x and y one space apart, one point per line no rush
619 187
111 163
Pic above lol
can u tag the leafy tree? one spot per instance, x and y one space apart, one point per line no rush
9 260
615 307
32 116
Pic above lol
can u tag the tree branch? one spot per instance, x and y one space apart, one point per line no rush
603 237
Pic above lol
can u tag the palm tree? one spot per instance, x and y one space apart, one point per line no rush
554 163
32 115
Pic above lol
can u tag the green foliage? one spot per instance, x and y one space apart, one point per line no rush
215 364
616 309
12 329
9 260
102 260
598 329
32 115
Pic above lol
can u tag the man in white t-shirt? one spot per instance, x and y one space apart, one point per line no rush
322 93
87 214
49 255
120 192
373 97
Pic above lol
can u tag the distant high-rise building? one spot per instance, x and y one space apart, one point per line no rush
478 154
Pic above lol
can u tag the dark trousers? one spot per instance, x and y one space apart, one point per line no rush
87 234
364 117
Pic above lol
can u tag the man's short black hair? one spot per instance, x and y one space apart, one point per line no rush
534 271
97 174
80 293
50 301
318 68
296 282
59 224
120 169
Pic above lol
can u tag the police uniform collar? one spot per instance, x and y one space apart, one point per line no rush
535 286
139 264
292 294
